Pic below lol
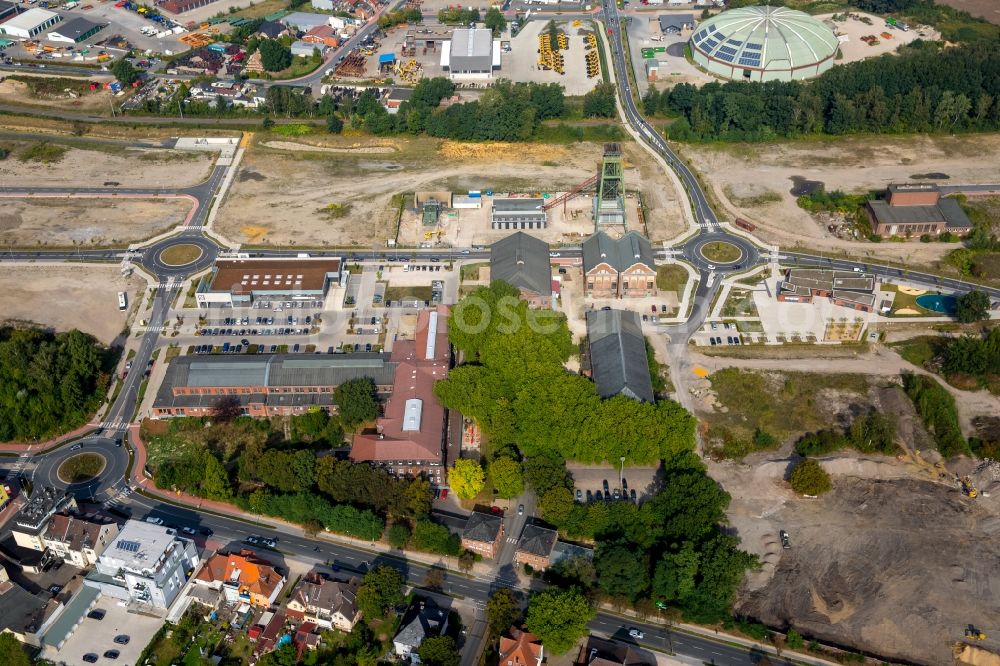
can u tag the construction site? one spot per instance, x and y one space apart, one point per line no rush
480 217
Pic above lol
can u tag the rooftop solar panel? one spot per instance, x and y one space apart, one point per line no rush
725 57
129 546
710 43
754 47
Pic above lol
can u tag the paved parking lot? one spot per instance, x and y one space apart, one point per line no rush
592 477
127 24
97 636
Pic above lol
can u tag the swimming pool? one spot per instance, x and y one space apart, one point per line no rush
938 303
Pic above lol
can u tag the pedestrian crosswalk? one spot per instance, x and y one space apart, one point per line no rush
117 426
168 284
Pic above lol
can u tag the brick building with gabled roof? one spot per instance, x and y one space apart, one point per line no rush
619 268
483 532
410 438
519 647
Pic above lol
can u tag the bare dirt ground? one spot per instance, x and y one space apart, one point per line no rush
987 9
80 167
854 29
18 92
744 176
84 221
65 297
279 198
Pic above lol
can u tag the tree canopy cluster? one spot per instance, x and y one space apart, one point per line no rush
973 306
874 432
668 550
250 462
506 112
49 383
389 19
515 385
974 356
809 478
927 88
274 55
937 409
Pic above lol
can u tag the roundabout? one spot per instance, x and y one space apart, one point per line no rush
180 256
720 252
81 468
89 468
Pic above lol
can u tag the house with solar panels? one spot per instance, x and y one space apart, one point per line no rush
146 564
764 44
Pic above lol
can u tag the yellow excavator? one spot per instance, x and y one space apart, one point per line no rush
974 633
968 488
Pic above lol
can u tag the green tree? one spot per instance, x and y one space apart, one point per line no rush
545 470
502 610
495 21
600 101
356 401
124 71
397 535
334 125
12 652
216 480
274 56
381 590
507 478
466 478
439 651
809 478
794 639
558 617
676 574
622 569
556 505
973 306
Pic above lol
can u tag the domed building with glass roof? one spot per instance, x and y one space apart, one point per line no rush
764 44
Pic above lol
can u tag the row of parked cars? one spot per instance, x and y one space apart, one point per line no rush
623 493
254 331
730 340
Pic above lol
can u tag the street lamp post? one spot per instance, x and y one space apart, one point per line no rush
621 471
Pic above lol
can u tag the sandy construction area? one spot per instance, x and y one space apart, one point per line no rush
742 176
86 221
987 9
18 92
81 167
68 296
283 199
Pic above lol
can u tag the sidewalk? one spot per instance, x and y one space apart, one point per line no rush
22 447
482 570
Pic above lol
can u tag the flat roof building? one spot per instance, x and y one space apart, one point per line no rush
518 214
915 210
305 20
845 288
523 262
29 24
265 384
44 503
409 439
673 23
146 564
618 354
240 282
470 53
75 30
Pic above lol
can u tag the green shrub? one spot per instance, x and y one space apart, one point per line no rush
809 478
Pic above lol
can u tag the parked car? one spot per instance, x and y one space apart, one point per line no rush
97 614
111 654
444 493
785 541
90 658
606 486
122 639
520 509
579 494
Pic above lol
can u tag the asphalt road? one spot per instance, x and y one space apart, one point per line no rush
46 467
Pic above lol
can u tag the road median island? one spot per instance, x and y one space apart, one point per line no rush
81 468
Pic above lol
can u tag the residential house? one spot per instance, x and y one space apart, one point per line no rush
322 35
79 540
242 577
270 30
482 533
601 652
422 621
618 360
519 647
328 604
409 439
622 268
522 261
534 546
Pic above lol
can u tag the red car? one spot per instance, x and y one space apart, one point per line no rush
120 4
654 308
444 493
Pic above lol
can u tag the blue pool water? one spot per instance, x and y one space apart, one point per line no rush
938 303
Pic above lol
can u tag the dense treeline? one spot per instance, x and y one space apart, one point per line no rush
937 409
506 112
973 355
49 383
515 370
272 468
926 89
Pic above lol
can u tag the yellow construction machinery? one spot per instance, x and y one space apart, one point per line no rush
409 71
975 634
968 488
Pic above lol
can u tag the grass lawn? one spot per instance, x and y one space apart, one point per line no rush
44 152
904 301
739 304
782 404
301 65
180 255
671 277
471 271
82 467
918 350
721 252
421 293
